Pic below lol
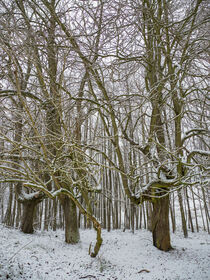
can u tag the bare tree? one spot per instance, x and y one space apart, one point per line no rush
116 93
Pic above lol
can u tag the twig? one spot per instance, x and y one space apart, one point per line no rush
83 277
19 250
144 270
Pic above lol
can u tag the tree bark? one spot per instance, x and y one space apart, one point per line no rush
184 224
54 223
17 221
172 212
160 224
8 215
149 216
29 207
46 222
71 224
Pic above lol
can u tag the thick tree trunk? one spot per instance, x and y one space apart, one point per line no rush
28 215
71 225
160 224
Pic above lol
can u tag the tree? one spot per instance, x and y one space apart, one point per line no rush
165 87
111 94
49 145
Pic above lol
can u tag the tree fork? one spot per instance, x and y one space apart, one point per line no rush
29 207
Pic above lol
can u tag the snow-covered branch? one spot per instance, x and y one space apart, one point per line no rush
193 132
8 93
197 152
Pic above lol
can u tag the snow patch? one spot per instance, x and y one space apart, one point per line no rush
45 255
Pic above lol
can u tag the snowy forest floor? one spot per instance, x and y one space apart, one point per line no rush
123 256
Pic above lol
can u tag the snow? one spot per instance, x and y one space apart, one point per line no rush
29 196
45 255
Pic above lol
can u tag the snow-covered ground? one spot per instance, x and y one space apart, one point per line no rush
123 256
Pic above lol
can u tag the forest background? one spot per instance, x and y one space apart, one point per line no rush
104 116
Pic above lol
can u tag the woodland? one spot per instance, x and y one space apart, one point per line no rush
104 117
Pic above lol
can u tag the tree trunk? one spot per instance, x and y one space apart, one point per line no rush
140 216
41 216
104 212
71 225
199 198
60 216
184 224
17 222
13 213
144 215
206 209
149 216
46 222
2 204
160 224
189 211
54 223
195 211
132 209
28 215
173 220
137 217
8 214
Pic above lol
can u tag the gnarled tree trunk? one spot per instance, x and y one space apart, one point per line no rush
27 220
160 224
